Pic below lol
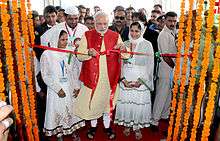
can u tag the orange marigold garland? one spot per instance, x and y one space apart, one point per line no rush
183 72
28 70
177 71
32 97
9 58
2 86
30 22
192 71
212 92
205 63
21 71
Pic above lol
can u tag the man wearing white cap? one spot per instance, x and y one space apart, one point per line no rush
75 31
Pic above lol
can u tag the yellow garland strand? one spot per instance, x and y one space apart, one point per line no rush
184 70
193 70
32 96
2 86
205 63
9 57
213 91
21 69
30 22
28 69
177 71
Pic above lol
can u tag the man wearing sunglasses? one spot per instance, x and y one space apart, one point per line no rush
119 23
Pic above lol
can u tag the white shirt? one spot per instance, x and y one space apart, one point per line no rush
52 35
166 44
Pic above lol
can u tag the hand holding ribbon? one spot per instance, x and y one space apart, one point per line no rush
92 52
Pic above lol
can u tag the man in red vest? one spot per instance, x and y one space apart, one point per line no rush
100 73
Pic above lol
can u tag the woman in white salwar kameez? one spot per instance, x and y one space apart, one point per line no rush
62 82
133 108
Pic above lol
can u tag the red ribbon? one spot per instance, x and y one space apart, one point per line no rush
58 49
107 52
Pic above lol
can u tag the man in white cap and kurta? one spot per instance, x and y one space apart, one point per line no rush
74 29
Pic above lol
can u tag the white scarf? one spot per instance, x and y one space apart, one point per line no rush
140 39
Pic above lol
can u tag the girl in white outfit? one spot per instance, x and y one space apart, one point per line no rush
62 83
133 108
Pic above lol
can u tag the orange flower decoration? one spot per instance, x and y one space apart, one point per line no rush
32 96
9 57
2 86
28 69
193 71
213 91
177 72
205 63
183 71
29 111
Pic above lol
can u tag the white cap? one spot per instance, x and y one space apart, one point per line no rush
72 10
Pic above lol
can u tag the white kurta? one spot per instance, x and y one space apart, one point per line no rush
52 34
134 104
161 109
58 74
101 98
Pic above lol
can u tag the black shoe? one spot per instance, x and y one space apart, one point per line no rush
91 133
154 128
110 133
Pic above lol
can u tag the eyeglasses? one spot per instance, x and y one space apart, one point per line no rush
118 17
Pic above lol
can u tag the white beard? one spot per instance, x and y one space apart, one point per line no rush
101 32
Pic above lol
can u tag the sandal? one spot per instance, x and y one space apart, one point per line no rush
110 133
91 133
76 137
126 131
138 134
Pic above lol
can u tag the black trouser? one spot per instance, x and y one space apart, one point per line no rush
41 108
41 105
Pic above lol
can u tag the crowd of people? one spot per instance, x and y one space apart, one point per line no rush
103 76
90 84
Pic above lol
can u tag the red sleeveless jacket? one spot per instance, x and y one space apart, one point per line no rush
90 68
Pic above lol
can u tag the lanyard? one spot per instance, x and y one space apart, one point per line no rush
74 32
62 64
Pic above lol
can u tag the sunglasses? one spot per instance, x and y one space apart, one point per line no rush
118 17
